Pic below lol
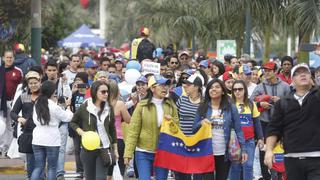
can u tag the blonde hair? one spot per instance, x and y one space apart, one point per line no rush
113 91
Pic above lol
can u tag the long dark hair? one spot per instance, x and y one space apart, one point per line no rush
42 109
93 92
245 96
225 100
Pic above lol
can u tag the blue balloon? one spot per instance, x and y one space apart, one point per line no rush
133 65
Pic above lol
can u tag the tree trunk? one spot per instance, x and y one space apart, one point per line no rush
267 37
303 56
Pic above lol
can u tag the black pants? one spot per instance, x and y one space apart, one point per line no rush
222 169
183 176
122 167
306 169
264 169
92 163
76 144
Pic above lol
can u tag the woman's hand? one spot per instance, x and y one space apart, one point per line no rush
205 120
244 157
22 120
127 161
167 117
116 154
80 131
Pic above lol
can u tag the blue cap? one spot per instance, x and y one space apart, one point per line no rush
114 77
188 71
158 79
204 63
142 79
90 63
245 69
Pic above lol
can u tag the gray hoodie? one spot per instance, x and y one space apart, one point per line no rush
279 89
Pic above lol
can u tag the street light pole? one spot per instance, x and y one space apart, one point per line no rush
103 18
36 30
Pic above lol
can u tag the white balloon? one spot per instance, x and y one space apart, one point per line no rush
131 76
2 127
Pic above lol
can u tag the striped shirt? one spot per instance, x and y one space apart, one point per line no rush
187 112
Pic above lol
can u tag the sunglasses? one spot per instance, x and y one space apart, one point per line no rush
237 89
112 72
184 78
174 62
104 92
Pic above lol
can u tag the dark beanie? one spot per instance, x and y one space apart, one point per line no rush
83 76
286 58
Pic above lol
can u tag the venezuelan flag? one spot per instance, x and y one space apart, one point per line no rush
278 165
186 154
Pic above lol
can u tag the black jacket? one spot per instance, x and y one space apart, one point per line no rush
298 126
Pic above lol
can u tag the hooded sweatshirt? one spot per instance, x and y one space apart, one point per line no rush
24 62
280 89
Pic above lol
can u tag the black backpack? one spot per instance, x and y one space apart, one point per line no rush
145 50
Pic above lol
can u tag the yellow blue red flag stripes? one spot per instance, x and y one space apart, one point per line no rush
278 165
186 154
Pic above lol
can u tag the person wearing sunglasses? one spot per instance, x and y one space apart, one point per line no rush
144 128
251 128
173 62
96 114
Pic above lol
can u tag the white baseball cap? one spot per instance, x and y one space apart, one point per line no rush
302 65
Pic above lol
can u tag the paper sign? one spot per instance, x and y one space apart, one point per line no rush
151 67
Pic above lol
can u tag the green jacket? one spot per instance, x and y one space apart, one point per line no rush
143 131
81 120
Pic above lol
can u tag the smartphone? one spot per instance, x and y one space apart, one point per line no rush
82 85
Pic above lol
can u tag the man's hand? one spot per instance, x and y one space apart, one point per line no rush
269 159
265 105
260 144
275 98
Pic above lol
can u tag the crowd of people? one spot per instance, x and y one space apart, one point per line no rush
72 94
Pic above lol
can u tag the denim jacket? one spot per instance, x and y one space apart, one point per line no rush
232 121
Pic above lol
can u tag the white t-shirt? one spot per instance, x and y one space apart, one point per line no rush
218 140
49 135
70 75
158 104
251 87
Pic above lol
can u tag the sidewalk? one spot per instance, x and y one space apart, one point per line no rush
16 166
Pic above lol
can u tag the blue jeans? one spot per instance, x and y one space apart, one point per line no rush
247 167
62 150
144 162
30 164
41 154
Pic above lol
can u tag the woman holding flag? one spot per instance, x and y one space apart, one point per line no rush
145 125
218 111
251 127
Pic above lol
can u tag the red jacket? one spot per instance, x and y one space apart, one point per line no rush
13 79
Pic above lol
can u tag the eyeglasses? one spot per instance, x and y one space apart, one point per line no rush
237 89
104 92
174 62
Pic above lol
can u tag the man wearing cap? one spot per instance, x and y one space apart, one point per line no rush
184 58
205 66
286 66
273 87
73 69
10 77
91 69
119 63
142 47
245 74
295 122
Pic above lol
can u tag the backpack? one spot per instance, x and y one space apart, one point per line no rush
145 50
